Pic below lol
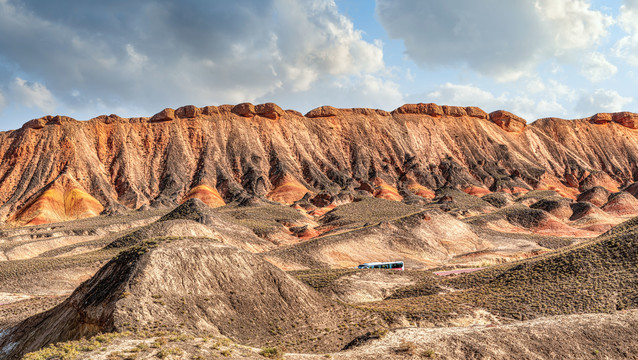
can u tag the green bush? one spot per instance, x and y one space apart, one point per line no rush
271 353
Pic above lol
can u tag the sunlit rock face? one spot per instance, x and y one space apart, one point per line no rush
56 168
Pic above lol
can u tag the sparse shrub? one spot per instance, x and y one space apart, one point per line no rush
115 356
406 347
64 351
379 333
166 352
271 353
226 353
159 342
429 354
139 347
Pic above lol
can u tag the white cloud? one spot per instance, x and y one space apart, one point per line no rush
503 39
324 39
158 53
525 106
628 16
379 91
463 95
408 75
3 102
596 67
346 91
602 100
573 24
32 94
136 59
535 85
627 47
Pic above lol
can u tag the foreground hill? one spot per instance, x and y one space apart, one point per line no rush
600 336
192 286
57 168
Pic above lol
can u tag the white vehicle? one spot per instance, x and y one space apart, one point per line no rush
392 265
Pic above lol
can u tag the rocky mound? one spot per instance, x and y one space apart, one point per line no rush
587 216
460 202
599 178
254 228
520 218
191 286
531 197
499 199
422 239
622 203
583 209
224 232
557 206
597 195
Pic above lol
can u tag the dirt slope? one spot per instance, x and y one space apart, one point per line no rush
421 239
195 219
599 275
192 286
590 336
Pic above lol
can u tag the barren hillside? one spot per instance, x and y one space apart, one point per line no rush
57 168
193 286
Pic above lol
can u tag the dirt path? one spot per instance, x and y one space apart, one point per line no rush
8 298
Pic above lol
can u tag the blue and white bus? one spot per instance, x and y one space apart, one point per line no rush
392 265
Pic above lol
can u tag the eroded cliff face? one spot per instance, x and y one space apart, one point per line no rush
58 168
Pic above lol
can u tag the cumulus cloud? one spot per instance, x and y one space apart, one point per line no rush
347 91
596 67
470 95
602 100
528 107
155 53
573 25
500 38
3 102
32 94
627 47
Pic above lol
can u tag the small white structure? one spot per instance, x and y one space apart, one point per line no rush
392 265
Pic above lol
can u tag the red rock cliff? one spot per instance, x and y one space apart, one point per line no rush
225 153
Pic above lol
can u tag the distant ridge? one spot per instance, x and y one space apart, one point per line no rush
227 153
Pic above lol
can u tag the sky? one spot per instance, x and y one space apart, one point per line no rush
535 58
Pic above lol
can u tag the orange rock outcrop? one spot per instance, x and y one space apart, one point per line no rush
626 119
323 111
62 200
508 121
209 195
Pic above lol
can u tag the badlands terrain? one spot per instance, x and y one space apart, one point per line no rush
234 231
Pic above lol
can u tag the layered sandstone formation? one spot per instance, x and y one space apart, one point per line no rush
57 168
